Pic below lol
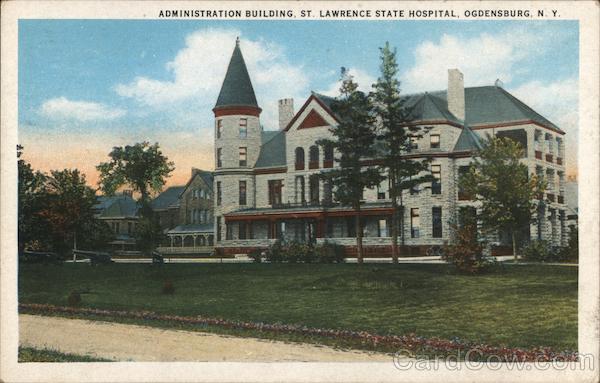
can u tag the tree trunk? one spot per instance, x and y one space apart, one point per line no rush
401 206
394 223
74 246
359 235
514 243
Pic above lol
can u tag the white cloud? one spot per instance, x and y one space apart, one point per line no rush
362 78
199 68
482 59
61 108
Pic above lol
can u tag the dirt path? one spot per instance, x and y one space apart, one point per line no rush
124 342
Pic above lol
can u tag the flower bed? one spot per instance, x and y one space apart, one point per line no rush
411 342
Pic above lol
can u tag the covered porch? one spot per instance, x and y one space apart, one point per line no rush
189 239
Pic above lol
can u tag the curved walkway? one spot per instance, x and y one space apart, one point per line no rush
124 342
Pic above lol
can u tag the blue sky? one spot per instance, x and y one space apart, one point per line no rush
87 85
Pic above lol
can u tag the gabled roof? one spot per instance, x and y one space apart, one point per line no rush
206 176
122 206
324 101
237 88
272 151
167 198
468 140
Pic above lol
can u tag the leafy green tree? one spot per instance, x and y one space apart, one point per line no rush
500 182
395 132
355 139
69 211
31 226
144 168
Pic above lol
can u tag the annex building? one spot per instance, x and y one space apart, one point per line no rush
265 186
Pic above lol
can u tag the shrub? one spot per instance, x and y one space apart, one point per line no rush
543 251
571 251
466 250
74 299
256 255
168 288
329 253
275 252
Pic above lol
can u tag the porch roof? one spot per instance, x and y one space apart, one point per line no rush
317 211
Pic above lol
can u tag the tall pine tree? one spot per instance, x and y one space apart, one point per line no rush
395 132
354 141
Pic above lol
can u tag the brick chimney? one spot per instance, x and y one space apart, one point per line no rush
456 93
286 112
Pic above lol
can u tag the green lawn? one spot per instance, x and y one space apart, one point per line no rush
28 354
518 306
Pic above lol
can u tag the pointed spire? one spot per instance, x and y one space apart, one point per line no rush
237 88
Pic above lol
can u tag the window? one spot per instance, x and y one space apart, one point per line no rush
218 229
380 191
314 189
219 193
300 193
219 157
275 187
129 227
434 141
436 222
462 194
242 188
328 156
228 231
242 230
382 230
313 157
243 156
436 185
415 222
243 127
299 158
414 142
219 128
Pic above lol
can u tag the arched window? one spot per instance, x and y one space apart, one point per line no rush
328 156
299 158
313 157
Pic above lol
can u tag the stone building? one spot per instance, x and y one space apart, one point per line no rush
186 216
265 185
120 213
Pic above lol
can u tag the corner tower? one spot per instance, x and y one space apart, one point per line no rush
237 141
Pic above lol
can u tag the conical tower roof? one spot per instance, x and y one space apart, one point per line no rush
237 88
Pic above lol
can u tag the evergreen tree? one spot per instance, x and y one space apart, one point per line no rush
355 139
395 132
500 182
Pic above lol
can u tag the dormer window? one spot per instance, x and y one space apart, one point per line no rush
414 142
